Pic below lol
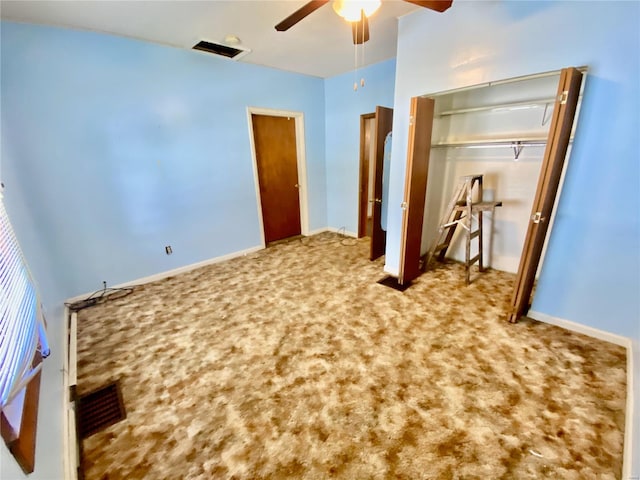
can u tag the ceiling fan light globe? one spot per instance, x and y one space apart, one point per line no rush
350 9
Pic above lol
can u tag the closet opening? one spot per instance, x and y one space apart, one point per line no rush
515 134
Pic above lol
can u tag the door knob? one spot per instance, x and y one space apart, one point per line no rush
378 200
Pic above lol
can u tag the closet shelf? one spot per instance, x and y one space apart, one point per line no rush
501 106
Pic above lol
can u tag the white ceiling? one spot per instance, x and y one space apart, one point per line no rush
320 45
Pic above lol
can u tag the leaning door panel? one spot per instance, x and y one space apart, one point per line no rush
419 148
548 183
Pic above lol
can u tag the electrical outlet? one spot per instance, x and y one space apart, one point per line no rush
168 250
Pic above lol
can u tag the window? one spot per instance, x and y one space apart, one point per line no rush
23 345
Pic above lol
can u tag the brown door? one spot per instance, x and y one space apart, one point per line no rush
277 161
551 170
383 125
415 187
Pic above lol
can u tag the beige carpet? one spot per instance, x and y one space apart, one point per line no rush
294 363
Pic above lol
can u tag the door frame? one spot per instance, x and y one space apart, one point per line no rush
363 176
383 126
301 162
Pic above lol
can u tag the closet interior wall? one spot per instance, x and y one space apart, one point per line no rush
498 130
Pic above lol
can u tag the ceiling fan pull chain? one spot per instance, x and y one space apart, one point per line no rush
364 60
355 68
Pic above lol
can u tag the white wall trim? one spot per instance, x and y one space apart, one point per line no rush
301 161
175 271
254 164
317 231
70 453
617 340
629 434
342 231
579 328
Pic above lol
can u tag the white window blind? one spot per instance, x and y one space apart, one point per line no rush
22 328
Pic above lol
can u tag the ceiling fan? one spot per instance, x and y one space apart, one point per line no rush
356 12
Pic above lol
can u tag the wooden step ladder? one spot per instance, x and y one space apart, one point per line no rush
460 211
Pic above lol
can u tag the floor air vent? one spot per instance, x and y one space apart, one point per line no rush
222 50
100 409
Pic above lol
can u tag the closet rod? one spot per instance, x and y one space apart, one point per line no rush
515 145
538 102
491 143
584 69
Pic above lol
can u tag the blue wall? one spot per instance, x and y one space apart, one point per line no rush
113 148
591 273
125 147
343 107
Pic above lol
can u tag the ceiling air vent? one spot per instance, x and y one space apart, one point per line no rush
223 50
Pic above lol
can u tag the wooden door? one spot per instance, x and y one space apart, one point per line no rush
415 187
277 163
548 182
382 128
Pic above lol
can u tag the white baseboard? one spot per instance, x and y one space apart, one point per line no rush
175 271
617 340
629 434
70 452
342 231
316 231
579 328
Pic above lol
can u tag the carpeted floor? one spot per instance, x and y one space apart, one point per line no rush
294 363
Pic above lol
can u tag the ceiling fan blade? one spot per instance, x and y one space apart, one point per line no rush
360 29
437 5
299 14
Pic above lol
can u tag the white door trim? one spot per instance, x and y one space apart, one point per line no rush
301 161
